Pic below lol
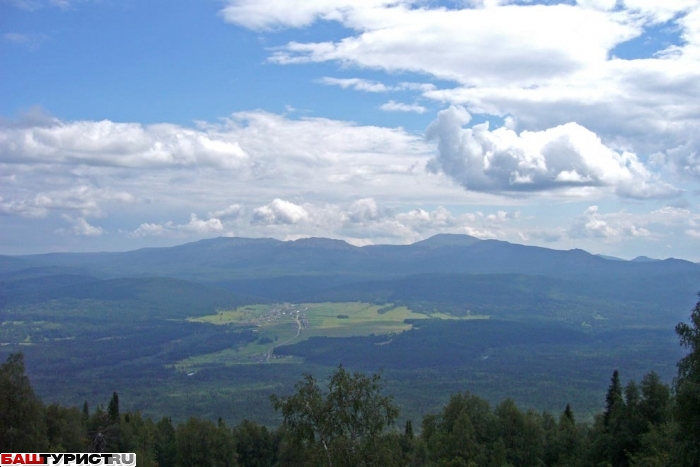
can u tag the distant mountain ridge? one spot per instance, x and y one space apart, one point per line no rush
225 258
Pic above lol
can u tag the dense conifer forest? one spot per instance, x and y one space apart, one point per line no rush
352 422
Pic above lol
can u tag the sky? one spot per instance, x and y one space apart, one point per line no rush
564 124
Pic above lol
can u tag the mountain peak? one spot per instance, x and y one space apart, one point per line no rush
442 240
320 242
643 259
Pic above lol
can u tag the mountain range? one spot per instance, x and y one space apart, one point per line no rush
453 272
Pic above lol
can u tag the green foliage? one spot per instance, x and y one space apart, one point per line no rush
22 427
65 429
255 445
644 423
113 408
201 443
165 443
521 433
350 424
613 399
137 434
344 426
461 432
687 386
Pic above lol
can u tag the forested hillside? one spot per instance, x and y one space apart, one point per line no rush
167 328
352 422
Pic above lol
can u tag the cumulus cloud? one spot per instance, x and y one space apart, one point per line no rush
591 225
279 212
81 227
501 216
565 156
85 199
393 224
290 13
363 210
24 208
683 160
658 12
621 225
421 220
107 143
256 141
195 227
545 77
234 211
51 167
449 44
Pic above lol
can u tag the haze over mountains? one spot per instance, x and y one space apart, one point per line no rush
134 310
231 257
453 271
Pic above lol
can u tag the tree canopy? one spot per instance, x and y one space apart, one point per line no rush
342 426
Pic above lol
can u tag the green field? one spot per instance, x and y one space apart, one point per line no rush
282 324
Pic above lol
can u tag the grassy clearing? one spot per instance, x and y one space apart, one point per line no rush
283 324
242 315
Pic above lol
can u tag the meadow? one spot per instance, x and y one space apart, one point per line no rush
277 325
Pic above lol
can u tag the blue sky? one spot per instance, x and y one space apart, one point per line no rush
127 124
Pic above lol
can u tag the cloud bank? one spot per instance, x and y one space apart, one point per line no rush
566 156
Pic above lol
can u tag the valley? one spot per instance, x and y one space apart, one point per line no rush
213 328
278 325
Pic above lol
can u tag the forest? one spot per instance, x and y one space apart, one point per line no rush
351 421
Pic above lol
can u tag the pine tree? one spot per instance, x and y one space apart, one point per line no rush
22 426
113 408
569 414
408 430
687 387
613 399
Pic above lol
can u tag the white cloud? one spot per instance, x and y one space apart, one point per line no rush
683 160
278 158
566 156
85 199
392 106
501 216
153 230
363 210
604 5
279 212
113 144
659 12
195 227
234 211
421 220
291 13
81 227
621 225
361 183
356 83
591 225
22 208
449 44
544 65
360 84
